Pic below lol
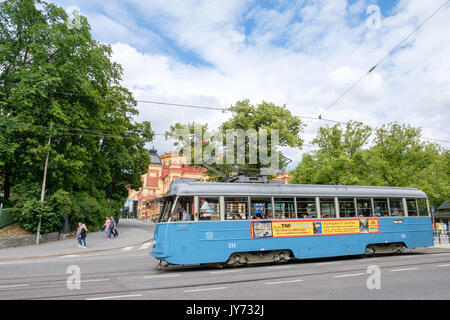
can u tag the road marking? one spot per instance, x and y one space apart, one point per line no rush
207 289
281 282
162 276
127 248
116 297
404 269
349 275
69 256
13 286
94 280
227 271
444 265
145 245
279 267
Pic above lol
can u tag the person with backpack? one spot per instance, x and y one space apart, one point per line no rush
83 234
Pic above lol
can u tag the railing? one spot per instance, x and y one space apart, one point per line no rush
441 237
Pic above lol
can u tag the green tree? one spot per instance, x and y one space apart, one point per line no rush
58 81
341 157
248 122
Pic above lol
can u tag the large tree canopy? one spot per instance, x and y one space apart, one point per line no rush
250 139
396 157
57 81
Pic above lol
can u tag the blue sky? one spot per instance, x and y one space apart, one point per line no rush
300 53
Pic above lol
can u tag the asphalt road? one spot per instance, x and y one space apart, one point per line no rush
130 273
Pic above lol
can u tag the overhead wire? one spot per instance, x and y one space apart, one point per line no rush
380 61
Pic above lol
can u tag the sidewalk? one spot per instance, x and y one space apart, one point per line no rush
131 232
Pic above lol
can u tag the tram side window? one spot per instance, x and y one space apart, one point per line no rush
261 207
184 210
423 209
411 206
327 208
364 207
284 208
396 207
236 208
381 207
209 208
347 207
306 208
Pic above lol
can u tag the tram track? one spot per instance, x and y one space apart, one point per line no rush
261 275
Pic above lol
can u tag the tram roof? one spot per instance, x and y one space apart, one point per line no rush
235 189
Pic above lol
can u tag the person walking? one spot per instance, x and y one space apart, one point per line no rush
79 234
106 228
83 234
112 227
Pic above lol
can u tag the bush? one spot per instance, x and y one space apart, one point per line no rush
51 212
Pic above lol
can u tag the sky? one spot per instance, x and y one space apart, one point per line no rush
302 54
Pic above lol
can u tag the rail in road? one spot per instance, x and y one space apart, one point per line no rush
191 280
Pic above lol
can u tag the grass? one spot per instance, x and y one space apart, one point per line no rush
12 231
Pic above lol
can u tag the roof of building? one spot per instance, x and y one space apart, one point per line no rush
444 206
154 157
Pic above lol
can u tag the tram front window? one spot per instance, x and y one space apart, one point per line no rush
423 208
165 211
183 210
411 206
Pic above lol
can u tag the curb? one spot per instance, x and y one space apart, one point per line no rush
71 253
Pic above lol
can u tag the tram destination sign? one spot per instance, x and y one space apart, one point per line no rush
299 228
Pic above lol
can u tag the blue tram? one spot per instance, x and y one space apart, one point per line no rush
233 224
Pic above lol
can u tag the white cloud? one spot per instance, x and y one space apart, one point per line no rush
303 54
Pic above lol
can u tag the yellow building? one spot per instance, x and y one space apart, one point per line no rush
162 170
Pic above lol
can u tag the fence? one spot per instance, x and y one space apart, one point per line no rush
6 217
441 237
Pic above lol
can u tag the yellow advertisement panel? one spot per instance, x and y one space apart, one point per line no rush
298 228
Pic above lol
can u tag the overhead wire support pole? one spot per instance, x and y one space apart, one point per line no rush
44 180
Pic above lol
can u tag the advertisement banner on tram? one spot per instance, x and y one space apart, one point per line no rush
299 228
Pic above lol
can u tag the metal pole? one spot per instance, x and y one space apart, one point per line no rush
38 233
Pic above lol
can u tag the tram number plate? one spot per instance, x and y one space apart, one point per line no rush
231 244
